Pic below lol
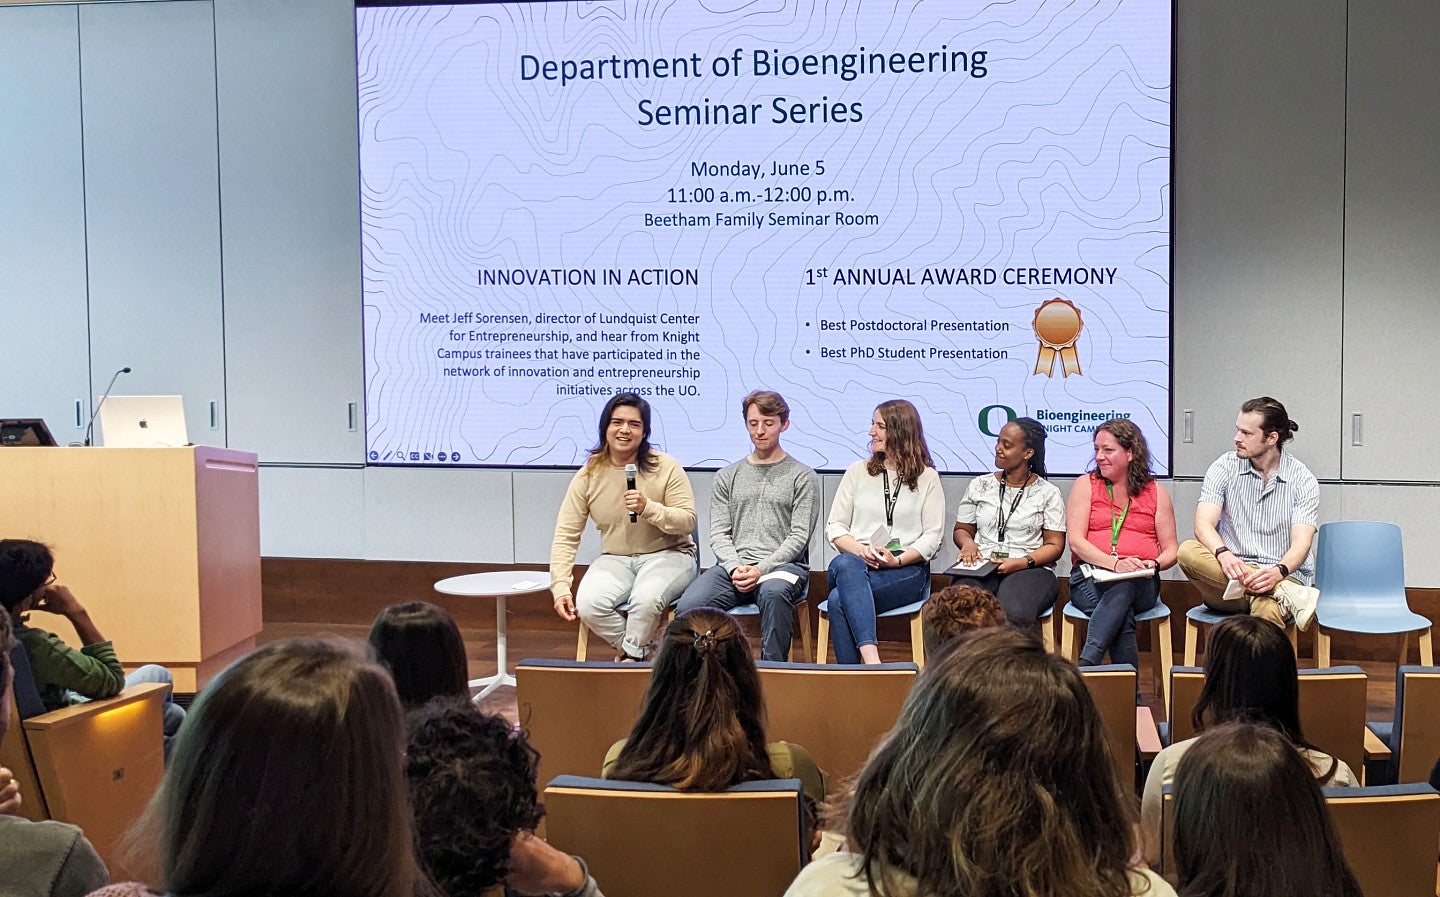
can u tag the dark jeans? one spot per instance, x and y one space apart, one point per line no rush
1112 607
776 598
1023 594
858 593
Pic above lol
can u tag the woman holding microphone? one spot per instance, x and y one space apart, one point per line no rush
641 501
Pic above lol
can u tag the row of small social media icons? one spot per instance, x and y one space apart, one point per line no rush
432 457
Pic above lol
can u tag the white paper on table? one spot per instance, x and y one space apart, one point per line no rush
785 575
525 585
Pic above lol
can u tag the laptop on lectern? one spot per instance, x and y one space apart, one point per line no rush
143 422
24 431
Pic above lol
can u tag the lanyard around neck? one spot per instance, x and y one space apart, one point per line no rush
1003 519
1116 523
890 500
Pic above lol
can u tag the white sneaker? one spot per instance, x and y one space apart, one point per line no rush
1299 600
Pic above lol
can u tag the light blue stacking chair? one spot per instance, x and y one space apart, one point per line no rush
911 610
1200 615
1360 572
1159 619
802 621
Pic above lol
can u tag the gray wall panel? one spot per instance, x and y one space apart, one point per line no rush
45 368
1392 241
153 216
1259 194
288 173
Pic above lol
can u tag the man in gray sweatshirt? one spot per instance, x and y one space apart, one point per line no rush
761 515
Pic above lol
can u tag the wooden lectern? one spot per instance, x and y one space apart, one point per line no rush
162 545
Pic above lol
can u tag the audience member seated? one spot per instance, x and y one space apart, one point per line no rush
1248 810
421 646
702 727
885 523
997 779
64 675
38 859
472 782
1250 676
958 609
1016 518
1118 518
288 778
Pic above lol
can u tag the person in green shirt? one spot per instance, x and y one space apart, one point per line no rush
66 675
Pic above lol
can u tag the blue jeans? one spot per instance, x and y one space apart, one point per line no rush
776 598
858 593
1112 607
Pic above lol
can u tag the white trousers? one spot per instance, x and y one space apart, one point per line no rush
649 582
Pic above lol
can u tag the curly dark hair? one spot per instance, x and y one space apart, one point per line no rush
472 783
24 567
956 609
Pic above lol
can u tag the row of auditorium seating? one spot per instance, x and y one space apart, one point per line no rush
574 711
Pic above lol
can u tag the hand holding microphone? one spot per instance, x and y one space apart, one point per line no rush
634 499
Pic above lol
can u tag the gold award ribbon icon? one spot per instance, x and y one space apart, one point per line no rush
1057 325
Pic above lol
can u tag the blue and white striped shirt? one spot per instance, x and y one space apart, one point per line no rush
1256 516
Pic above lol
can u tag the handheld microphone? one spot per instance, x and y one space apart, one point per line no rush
630 472
90 427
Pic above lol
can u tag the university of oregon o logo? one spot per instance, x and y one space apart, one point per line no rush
985 417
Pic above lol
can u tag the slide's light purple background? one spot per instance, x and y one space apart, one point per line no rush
1059 157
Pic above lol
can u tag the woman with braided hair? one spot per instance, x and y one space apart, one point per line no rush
703 724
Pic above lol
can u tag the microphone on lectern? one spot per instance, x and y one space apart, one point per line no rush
630 472
90 427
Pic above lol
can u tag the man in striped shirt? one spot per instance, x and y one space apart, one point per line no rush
1255 523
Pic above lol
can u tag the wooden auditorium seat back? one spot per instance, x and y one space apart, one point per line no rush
836 712
1389 835
574 711
15 756
643 840
1332 709
99 763
1112 687
1418 741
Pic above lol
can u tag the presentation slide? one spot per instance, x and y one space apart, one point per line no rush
964 204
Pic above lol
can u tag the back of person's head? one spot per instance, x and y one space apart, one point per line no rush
1250 820
702 727
287 778
955 610
24 567
472 782
421 645
1250 675
997 779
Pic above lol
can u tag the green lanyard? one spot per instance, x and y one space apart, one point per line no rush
1116 523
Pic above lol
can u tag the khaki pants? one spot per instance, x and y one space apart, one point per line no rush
1203 570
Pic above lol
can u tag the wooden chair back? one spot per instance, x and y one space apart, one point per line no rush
98 764
1389 836
574 711
836 712
1417 722
15 756
1113 689
748 840
1332 709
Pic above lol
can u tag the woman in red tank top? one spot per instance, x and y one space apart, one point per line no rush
1119 519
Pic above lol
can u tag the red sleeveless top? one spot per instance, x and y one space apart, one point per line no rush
1137 536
